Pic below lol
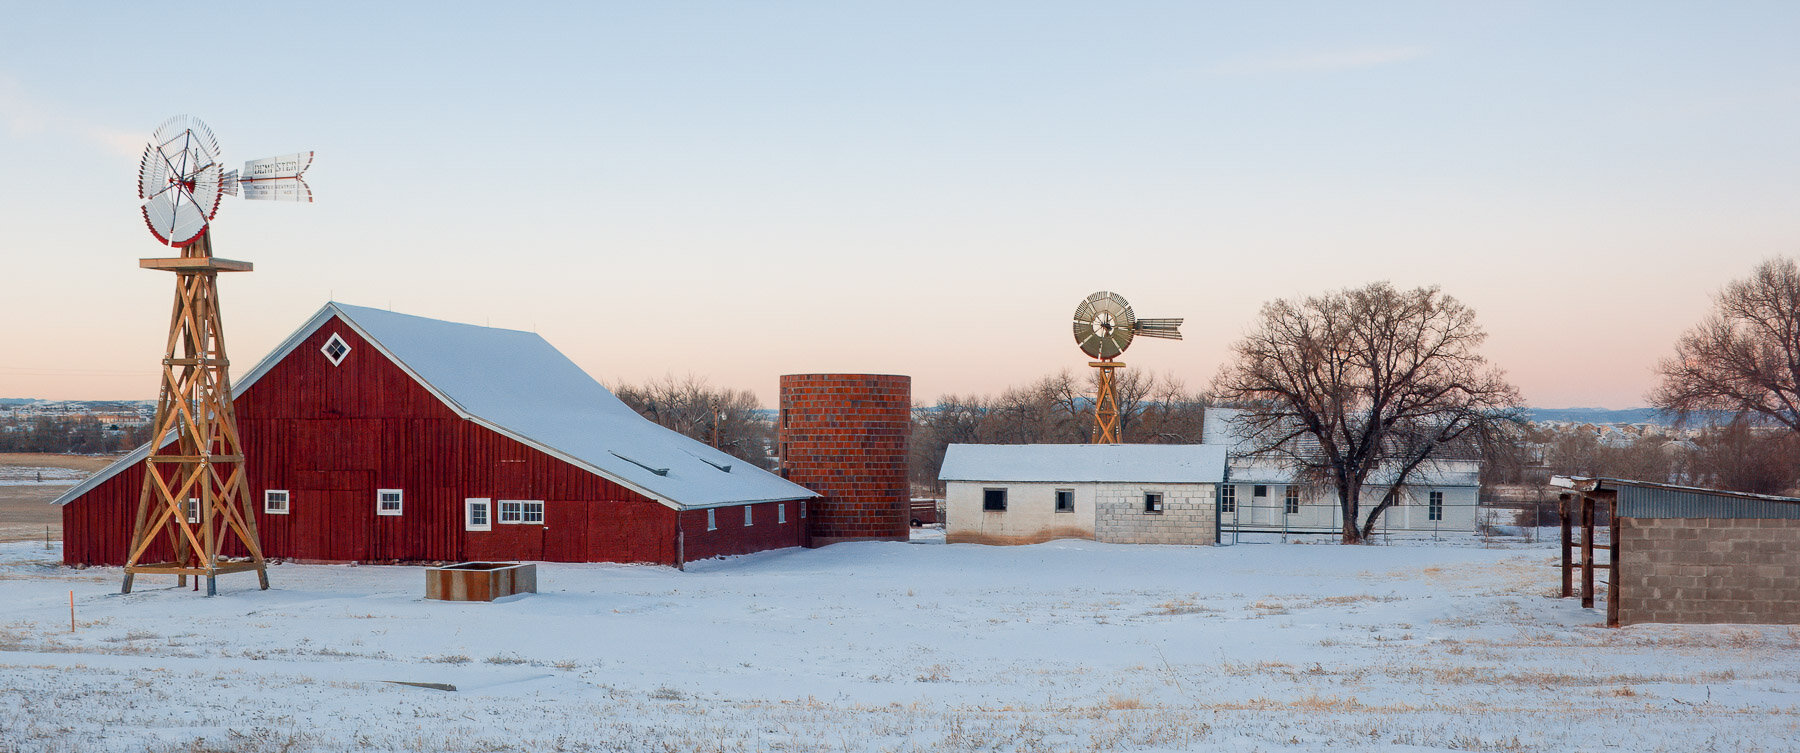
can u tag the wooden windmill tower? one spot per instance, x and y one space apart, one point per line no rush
195 495
1104 328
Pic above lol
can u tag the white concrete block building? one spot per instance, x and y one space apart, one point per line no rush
1131 494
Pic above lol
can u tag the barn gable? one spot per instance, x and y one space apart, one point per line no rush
516 384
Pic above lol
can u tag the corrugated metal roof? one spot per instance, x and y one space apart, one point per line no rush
1661 502
1649 499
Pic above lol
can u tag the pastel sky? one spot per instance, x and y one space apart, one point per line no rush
743 190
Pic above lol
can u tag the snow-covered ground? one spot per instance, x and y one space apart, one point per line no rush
1070 645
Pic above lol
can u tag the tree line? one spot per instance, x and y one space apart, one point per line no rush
69 435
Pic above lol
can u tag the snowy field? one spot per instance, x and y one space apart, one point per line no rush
1070 645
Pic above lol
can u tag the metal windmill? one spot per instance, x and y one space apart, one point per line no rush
195 492
1104 328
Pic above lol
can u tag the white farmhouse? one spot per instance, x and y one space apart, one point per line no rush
1263 495
1128 494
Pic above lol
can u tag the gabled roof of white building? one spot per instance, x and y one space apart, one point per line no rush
517 384
1072 463
1222 429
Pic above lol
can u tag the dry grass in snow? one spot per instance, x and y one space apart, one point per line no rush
1064 646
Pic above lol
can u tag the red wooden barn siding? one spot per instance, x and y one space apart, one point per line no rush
333 435
733 537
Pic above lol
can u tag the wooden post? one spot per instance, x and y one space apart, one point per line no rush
1587 552
1613 583
205 462
1568 540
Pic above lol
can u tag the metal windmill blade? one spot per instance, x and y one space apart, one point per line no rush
1104 325
180 180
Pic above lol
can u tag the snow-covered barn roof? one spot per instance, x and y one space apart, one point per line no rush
1122 463
517 384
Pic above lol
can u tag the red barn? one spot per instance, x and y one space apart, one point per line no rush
380 437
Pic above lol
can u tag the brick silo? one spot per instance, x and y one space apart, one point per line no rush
844 436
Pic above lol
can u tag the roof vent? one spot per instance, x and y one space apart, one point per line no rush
645 466
726 467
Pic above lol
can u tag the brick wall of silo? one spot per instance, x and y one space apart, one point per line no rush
845 436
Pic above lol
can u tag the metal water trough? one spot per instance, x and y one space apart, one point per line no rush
480 581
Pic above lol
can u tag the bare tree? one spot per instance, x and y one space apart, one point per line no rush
1341 385
728 419
1744 359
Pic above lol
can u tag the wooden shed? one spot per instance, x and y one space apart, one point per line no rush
374 436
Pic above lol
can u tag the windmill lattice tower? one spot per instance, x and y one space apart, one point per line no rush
195 493
1104 327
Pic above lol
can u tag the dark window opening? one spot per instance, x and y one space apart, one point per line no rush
993 500
1065 500
1259 491
1228 498
1153 502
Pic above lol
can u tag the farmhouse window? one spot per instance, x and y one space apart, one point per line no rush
781 513
1153 502
993 500
1435 509
387 501
335 349
275 501
475 514
749 521
1065 500
1293 500
803 509
1259 490
712 519
512 512
1228 498
534 511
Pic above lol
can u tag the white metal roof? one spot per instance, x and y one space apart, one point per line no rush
1122 463
517 384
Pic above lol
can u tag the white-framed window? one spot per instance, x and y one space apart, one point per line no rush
712 519
335 349
993 500
1292 496
1228 498
193 510
388 501
748 520
512 512
476 514
275 501
532 511
1434 509
1153 503
780 512
1065 500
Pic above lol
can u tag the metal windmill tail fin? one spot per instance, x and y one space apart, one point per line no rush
1167 329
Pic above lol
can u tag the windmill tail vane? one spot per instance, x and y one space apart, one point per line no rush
1167 329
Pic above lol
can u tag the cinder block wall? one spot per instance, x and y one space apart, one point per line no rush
845 437
1188 514
1709 570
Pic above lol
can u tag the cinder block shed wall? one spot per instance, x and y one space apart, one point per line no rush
1709 570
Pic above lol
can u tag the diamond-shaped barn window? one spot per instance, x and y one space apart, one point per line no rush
335 349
